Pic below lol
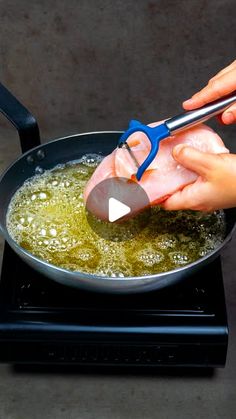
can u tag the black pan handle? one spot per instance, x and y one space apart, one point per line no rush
20 117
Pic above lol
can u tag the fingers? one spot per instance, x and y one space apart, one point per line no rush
194 197
217 87
195 160
198 196
180 200
229 116
225 70
208 194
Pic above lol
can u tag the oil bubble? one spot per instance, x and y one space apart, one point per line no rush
179 258
114 270
40 154
30 159
38 170
91 160
148 257
166 241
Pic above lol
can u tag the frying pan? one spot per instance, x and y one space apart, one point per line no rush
36 157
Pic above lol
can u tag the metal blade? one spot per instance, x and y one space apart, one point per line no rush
127 147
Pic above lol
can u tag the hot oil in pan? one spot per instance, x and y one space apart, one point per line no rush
47 217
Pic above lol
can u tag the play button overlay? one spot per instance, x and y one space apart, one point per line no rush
117 209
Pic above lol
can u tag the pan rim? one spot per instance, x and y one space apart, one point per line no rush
49 142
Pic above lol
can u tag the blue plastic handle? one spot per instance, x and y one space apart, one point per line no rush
155 135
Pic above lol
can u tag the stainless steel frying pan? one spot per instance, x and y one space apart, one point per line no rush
59 151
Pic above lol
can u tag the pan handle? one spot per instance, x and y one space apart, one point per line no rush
19 116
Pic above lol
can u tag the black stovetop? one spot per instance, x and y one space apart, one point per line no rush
43 321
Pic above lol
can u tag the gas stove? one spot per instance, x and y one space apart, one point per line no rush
43 322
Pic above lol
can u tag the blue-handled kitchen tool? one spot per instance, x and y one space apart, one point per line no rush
171 127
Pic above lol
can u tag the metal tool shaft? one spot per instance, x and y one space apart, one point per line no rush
181 122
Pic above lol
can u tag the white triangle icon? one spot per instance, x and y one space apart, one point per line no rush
116 209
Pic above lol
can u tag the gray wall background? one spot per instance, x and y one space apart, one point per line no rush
83 65
92 65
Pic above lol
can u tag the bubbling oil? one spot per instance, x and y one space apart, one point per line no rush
47 217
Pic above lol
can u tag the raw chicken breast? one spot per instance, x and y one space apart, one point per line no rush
164 176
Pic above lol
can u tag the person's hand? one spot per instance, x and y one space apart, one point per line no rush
218 86
215 188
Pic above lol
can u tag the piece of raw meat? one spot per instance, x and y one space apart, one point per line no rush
164 176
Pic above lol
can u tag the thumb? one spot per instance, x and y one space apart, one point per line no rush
193 159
